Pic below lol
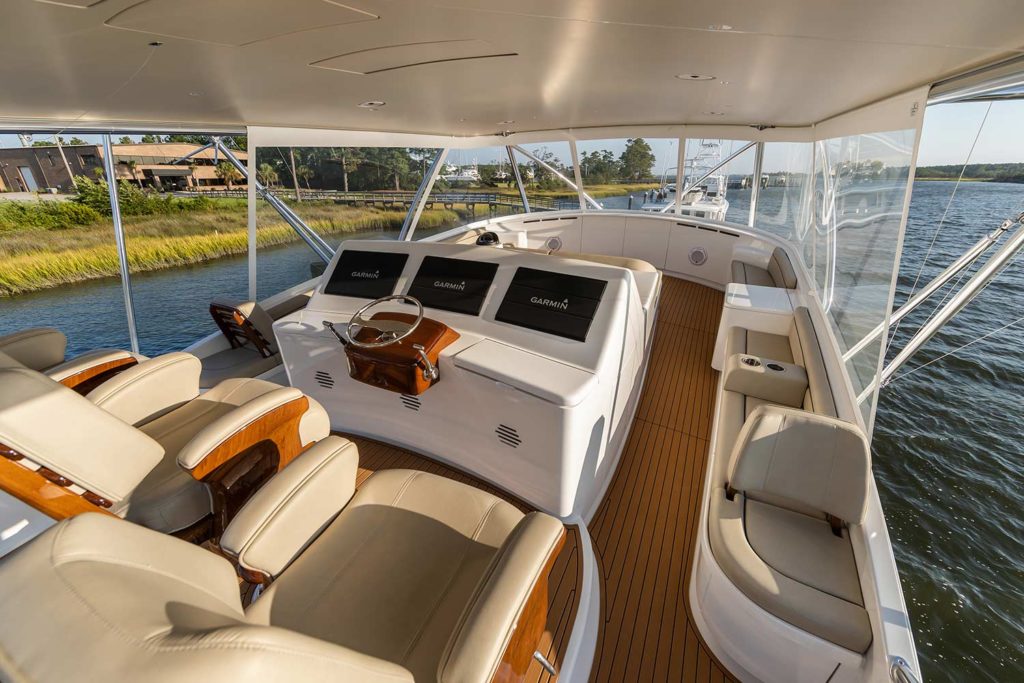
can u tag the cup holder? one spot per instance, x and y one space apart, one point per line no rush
776 367
751 362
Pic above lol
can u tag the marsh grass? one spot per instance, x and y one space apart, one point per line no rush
33 258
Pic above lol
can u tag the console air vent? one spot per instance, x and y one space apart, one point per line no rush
411 402
324 379
508 436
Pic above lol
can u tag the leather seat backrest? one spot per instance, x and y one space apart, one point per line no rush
807 352
818 462
38 348
54 427
99 595
781 269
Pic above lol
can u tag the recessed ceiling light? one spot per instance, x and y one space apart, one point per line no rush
694 77
462 120
506 123
719 27
723 82
195 93
155 43
372 104
713 113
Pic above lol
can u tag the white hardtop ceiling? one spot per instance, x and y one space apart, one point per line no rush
467 68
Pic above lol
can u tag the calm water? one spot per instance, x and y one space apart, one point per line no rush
947 446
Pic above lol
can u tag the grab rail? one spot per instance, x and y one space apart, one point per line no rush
900 671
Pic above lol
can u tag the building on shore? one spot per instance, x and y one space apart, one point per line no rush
150 165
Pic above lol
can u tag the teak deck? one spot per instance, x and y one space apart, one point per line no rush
645 528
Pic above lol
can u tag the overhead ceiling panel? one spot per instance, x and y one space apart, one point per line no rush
392 57
578 63
234 22
74 4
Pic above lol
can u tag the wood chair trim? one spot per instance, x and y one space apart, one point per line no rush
46 490
280 426
529 627
86 380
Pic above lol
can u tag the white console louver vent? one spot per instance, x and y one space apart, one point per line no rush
324 379
508 436
411 402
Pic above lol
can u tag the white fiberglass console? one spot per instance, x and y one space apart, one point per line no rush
537 393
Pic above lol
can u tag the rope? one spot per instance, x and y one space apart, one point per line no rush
942 221
959 348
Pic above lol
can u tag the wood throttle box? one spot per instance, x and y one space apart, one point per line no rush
400 366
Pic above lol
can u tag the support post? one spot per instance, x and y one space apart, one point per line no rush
985 274
558 174
419 199
576 174
680 176
250 192
64 158
755 191
308 235
122 248
519 180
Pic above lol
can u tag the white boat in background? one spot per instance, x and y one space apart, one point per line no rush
545 442
704 190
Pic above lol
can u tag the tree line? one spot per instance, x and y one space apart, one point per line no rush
1002 173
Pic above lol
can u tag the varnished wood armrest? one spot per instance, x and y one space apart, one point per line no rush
273 417
291 509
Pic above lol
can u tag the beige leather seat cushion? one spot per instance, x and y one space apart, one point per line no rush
37 348
746 274
289 305
169 498
55 427
416 546
779 272
792 566
244 361
604 259
98 599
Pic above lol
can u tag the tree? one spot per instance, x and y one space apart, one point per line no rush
269 174
599 166
227 172
133 165
150 139
295 176
124 140
74 141
350 160
637 160
305 173
189 139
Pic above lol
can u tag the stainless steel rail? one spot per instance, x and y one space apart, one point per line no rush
412 216
122 247
308 235
561 176
956 303
900 671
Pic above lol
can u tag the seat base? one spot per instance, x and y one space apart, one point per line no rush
417 545
792 566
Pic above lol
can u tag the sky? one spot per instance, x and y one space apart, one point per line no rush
949 132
